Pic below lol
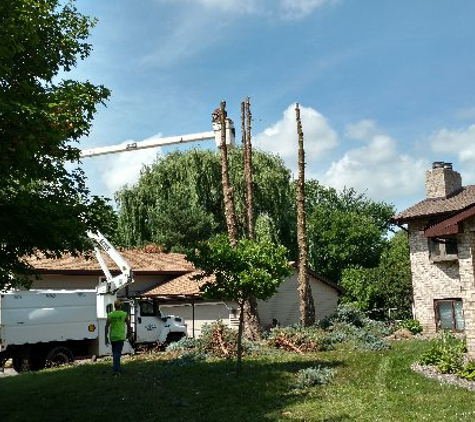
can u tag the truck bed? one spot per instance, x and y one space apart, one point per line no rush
35 316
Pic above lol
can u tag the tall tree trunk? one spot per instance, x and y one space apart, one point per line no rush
307 307
247 143
251 314
228 193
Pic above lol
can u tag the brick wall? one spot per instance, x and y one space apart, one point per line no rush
442 182
443 280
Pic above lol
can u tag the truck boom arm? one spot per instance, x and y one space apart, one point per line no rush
171 140
112 284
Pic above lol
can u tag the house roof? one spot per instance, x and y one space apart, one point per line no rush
142 261
435 207
184 285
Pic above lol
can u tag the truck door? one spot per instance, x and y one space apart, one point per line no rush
147 321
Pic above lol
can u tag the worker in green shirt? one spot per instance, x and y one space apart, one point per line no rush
117 323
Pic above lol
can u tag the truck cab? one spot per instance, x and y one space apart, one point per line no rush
150 326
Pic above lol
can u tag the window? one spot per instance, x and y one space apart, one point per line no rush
449 314
443 249
148 308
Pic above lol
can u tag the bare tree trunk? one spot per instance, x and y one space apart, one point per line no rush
251 314
248 167
307 307
228 193
239 342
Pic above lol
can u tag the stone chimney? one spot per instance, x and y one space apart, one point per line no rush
442 181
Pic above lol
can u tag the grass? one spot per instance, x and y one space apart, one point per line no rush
369 386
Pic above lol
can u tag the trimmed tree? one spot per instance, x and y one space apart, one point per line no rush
307 307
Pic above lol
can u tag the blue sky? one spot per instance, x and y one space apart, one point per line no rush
385 87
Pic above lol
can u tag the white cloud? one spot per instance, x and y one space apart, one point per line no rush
282 138
240 6
466 114
298 9
124 168
455 142
377 168
361 130
285 9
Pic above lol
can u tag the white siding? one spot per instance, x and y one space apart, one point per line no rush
205 313
284 306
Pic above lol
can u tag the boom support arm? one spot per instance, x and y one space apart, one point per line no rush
112 284
171 140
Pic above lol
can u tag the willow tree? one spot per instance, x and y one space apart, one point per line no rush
178 187
307 307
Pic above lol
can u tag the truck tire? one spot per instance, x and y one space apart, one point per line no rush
59 356
173 337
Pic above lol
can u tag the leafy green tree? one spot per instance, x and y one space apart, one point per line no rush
386 289
195 177
43 205
249 269
345 229
396 275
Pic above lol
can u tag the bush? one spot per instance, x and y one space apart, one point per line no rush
413 325
314 376
351 325
184 344
446 353
346 314
468 371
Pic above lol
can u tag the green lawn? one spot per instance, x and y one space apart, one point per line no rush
369 386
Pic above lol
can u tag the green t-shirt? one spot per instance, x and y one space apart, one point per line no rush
117 325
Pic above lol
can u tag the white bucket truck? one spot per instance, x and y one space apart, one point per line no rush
41 328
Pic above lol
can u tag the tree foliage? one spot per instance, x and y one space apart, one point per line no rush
43 205
248 269
385 289
345 229
194 177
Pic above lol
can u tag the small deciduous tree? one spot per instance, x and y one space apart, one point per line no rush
249 269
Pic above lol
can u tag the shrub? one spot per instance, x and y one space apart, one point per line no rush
468 371
413 325
184 344
346 314
446 353
351 325
314 376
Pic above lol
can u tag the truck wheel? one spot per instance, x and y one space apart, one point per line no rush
58 356
173 337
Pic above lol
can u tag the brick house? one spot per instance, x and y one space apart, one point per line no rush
441 230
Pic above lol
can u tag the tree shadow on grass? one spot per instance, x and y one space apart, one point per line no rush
157 389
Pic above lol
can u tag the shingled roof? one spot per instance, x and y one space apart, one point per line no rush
183 285
142 261
436 207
